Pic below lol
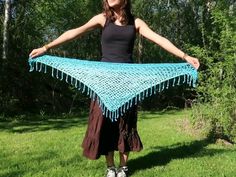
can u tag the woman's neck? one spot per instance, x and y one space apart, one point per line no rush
117 13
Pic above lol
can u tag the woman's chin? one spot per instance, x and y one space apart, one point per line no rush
114 6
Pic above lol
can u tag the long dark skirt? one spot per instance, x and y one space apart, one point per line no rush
103 135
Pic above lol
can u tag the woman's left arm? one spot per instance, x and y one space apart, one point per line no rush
145 31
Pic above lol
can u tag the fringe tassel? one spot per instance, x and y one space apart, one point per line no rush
40 68
45 68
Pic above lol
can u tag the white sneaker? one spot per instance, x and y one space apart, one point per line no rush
122 172
111 172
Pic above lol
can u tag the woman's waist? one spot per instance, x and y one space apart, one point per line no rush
117 60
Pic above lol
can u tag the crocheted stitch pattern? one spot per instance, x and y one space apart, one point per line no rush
117 86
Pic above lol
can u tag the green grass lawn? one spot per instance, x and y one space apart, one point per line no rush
52 147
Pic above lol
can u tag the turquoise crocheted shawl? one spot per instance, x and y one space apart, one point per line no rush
116 86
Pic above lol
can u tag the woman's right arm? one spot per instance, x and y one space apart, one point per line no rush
95 22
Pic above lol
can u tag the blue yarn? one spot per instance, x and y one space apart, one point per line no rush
116 86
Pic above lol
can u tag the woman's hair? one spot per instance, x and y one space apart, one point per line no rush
126 15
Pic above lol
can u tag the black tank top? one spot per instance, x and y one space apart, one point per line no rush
118 42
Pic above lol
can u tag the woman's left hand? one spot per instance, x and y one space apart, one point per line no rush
193 61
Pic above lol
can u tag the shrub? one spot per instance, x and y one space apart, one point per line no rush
217 89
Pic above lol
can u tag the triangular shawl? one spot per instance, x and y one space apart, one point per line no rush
117 86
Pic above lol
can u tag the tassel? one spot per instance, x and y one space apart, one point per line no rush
167 86
31 67
67 78
159 87
130 105
190 82
110 115
163 86
62 76
143 95
106 115
40 68
188 79
99 102
136 99
150 94
147 93
194 83
178 81
45 68
94 95
87 91
173 82
76 83
155 90
36 63
52 72
118 113
71 80
139 97
57 74
121 113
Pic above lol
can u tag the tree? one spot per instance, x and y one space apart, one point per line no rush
5 29
217 88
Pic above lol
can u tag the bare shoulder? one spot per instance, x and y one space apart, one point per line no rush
139 23
100 18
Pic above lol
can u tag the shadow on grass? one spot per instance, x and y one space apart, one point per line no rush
159 156
163 155
13 173
160 114
24 126
33 124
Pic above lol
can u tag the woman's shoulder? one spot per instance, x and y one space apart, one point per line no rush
101 18
138 22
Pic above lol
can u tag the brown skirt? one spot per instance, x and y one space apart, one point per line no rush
103 135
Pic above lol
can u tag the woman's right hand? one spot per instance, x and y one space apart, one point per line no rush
37 52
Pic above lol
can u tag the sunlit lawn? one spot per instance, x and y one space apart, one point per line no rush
52 147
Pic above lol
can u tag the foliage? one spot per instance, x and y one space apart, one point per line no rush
217 86
33 24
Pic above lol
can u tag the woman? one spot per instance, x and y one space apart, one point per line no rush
119 29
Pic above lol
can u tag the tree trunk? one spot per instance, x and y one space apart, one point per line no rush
5 29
